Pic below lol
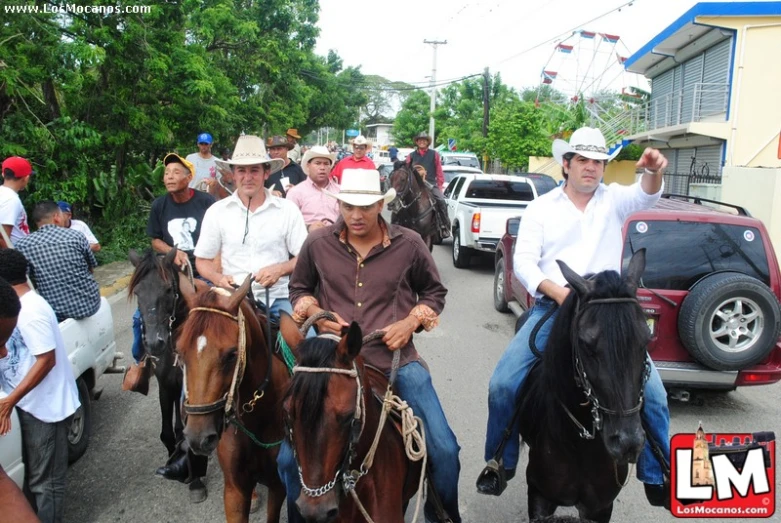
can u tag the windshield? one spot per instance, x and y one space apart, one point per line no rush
464 161
500 190
450 174
679 253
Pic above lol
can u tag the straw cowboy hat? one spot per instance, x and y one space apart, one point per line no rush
422 136
362 187
586 141
250 151
293 133
360 140
318 151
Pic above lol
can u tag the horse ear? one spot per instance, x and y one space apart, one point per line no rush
170 256
239 294
578 282
187 290
351 341
134 258
636 267
289 331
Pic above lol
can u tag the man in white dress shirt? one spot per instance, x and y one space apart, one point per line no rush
256 232
579 223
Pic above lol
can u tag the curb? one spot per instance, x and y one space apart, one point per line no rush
118 286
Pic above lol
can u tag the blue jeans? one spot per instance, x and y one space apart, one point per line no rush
414 385
138 342
509 376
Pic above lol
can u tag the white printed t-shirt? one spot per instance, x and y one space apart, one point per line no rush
12 213
37 332
275 231
83 228
204 168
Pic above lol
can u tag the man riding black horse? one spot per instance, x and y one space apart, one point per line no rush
432 163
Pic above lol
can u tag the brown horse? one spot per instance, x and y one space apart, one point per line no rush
234 386
414 207
223 185
333 415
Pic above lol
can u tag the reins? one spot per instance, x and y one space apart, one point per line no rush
413 431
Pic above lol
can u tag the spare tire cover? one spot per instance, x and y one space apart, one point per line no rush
729 321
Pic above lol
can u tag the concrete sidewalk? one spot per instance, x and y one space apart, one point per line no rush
113 278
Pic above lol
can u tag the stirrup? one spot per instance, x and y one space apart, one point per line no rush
492 470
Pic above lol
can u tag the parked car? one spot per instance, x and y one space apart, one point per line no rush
92 352
463 159
711 291
479 206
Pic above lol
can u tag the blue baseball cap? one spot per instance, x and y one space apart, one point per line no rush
64 206
205 138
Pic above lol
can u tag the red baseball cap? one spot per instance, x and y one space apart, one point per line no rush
19 166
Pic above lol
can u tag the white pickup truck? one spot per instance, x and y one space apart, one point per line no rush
91 352
479 205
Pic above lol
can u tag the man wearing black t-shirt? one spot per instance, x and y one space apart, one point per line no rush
291 174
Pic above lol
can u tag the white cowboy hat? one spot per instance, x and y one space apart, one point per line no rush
362 187
318 151
586 141
360 140
250 150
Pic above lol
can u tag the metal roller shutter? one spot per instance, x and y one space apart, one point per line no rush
692 75
684 161
715 76
661 87
709 161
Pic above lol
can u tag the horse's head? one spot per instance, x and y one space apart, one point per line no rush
156 287
325 413
401 179
213 349
609 336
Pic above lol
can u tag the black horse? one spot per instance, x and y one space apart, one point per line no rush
584 432
156 283
414 207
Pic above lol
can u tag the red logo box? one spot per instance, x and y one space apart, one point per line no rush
723 475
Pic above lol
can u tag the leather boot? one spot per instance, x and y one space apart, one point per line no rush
443 219
177 467
137 377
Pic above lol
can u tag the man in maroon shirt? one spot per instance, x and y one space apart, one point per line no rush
358 160
383 277
430 160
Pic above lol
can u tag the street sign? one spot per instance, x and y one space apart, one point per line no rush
352 132
451 144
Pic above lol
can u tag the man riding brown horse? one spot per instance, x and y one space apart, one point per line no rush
430 160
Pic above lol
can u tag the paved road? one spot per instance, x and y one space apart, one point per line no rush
115 482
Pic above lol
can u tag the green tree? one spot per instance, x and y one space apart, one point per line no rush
411 119
517 131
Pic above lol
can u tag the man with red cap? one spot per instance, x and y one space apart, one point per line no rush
16 176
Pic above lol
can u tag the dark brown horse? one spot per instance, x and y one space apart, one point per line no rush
158 285
234 385
333 414
413 207
583 432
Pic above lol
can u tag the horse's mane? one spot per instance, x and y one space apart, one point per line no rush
312 387
149 263
541 414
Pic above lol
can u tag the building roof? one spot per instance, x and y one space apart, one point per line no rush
686 29
380 125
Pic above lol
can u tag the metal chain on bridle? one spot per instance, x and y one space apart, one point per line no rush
583 382
413 431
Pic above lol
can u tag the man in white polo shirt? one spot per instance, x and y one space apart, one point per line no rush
579 223
254 231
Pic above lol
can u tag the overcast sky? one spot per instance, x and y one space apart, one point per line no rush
386 37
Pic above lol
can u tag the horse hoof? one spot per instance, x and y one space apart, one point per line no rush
197 492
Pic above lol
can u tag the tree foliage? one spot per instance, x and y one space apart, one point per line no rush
95 99
517 131
411 119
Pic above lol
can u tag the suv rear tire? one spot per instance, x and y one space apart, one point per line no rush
729 321
500 303
461 254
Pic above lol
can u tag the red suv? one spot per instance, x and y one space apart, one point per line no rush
711 290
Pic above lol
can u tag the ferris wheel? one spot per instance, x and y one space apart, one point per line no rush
586 64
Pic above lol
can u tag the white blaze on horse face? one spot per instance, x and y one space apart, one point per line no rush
202 342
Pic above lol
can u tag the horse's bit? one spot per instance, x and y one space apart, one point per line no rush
581 379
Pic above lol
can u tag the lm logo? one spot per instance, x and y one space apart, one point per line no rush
723 475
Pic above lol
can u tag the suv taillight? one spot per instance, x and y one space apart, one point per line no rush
476 222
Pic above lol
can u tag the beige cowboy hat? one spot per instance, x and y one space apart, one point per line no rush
318 151
361 140
586 141
250 151
293 133
362 187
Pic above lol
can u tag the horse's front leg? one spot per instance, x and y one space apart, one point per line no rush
167 435
237 498
237 469
178 424
276 498
598 516
539 506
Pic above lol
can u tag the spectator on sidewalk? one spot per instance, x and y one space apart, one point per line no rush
37 376
13 218
204 162
11 497
61 264
78 225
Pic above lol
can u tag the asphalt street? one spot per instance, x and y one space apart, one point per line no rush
115 481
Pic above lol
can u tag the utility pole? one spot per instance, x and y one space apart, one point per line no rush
486 112
434 43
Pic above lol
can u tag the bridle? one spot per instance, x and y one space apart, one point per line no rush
584 384
348 478
398 204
